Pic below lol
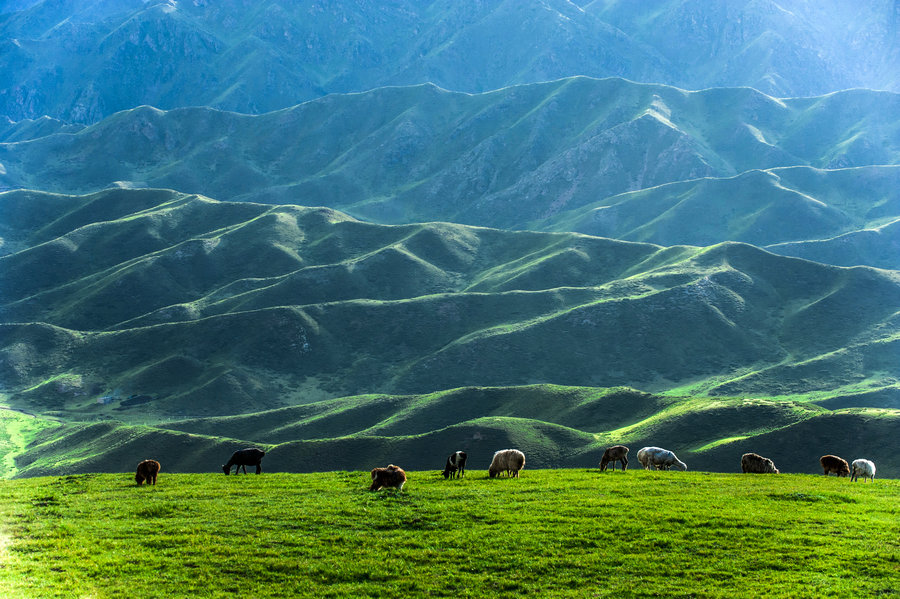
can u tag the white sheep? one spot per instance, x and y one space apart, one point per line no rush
864 467
659 458
507 460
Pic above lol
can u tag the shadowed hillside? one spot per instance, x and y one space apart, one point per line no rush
158 304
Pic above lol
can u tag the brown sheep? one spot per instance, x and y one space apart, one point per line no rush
832 463
756 464
616 453
147 471
392 476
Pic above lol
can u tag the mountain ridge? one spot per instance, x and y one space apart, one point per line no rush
82 62
447 225
523 157
324 305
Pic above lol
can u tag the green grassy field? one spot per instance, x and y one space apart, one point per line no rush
578 533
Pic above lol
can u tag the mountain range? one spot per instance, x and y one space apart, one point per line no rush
211 308
392 230
605 157
81 61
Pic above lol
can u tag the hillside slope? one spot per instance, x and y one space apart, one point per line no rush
513 158
842 216
170 305
83 61
554 426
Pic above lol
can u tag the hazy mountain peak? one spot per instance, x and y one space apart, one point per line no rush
83 61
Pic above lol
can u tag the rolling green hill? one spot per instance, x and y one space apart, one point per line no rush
876 246
83 61
550 155
12 131
162 305
444 225
845 217
555 427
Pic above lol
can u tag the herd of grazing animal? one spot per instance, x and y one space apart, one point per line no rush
751 463
511 462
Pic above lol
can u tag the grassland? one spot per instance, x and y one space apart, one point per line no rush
17 431
566 533
146 322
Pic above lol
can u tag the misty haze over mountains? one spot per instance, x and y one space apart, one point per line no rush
214 211
81 61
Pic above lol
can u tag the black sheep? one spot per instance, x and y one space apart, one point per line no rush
243 458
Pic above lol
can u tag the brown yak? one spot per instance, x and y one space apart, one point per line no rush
832 463
392 476
146 471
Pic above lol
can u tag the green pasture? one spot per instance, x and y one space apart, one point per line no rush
550 533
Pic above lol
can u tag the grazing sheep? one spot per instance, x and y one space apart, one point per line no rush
507 460
243 458
756 464
456 465
832 463
864 467
616 453
392 476
643 457
661 459
146 471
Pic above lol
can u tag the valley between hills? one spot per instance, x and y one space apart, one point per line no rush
222 227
